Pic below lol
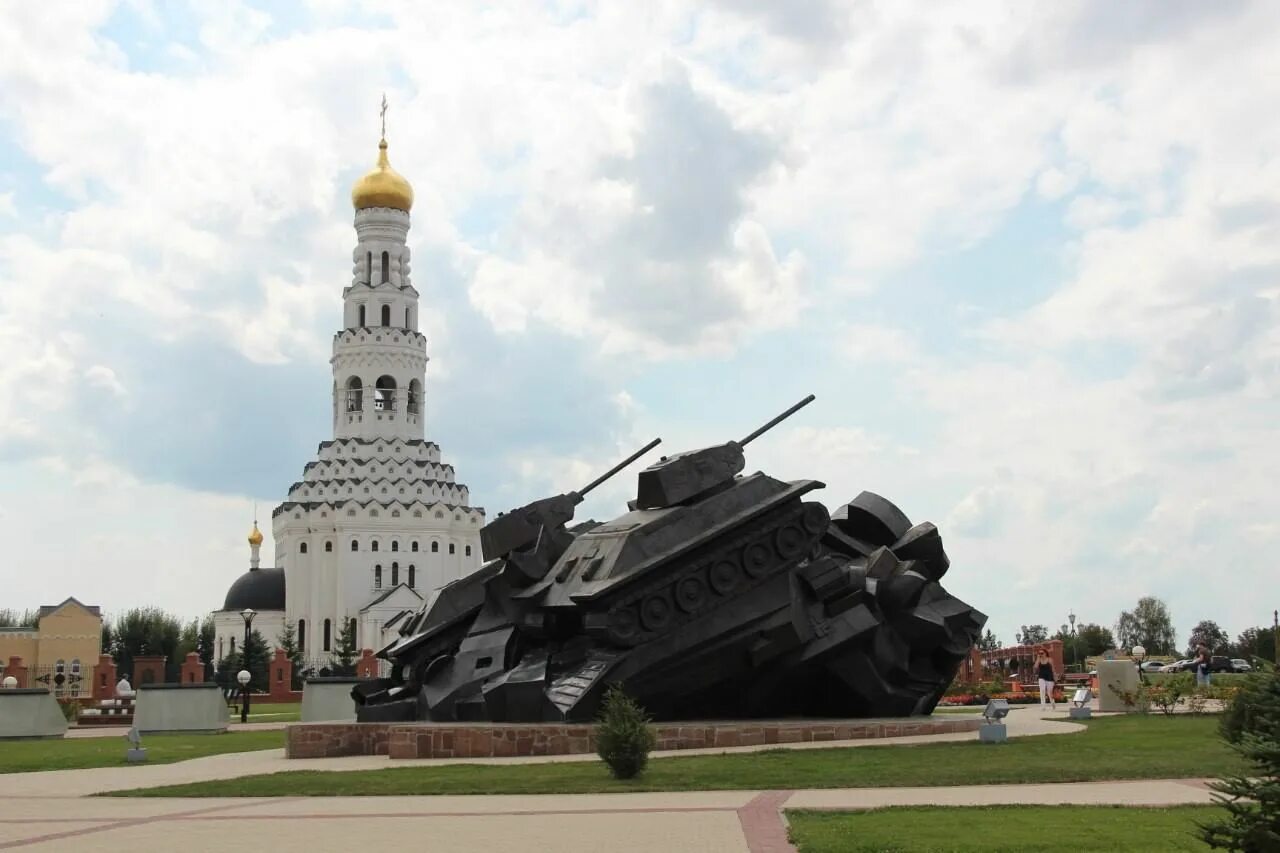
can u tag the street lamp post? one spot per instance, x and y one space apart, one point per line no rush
247 614
1071 617
1141 654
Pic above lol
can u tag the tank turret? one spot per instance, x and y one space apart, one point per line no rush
532 537
693 474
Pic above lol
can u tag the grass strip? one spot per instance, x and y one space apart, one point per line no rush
1026 829
1129 747
24 756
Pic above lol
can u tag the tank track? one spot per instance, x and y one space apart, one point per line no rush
765 546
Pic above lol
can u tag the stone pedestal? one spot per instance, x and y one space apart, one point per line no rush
1116 677
328 700
1085 713
30 712
180 708
993 733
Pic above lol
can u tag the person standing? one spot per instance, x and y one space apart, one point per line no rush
1202 666
1046 677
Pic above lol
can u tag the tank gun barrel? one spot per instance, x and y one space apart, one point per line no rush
581 493
779 419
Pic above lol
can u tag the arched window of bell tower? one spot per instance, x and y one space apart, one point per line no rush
368 267
386 315
386 269
406 317
361 324
384 395
414 397
355 393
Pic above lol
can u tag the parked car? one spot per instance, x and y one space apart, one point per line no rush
1151 666
1178 666
1241 665
1221 663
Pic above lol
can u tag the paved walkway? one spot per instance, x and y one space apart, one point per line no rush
708 821
49 811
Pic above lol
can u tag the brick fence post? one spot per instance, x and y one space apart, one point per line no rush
104 678
17 670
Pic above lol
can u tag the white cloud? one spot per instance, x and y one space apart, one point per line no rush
661 183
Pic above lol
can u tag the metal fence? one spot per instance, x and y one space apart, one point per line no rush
67 681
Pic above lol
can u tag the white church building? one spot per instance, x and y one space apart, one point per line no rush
377 520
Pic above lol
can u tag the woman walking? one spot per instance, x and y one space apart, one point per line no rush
1045 674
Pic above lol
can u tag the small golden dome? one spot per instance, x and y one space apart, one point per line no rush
382 187
255 535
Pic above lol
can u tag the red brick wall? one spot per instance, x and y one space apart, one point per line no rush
104 678
481 740
15 668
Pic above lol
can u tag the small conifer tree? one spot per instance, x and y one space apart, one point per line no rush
623 737
1252 801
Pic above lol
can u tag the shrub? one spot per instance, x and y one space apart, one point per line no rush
1169 695
1252 801
1241 702
623 737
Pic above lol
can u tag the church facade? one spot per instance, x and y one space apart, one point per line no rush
378 519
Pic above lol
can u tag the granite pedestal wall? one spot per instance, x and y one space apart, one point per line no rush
30 712
1116 677
493 740
180 708
329 700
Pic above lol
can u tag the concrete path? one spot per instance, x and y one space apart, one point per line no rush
710 821
121 731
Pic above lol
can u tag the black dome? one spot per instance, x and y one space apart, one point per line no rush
260 589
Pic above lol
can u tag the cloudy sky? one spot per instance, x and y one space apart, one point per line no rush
1025 255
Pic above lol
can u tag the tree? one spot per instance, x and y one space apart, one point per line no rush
1252 800
343 658
1257 642
1207 633
1094 639
989 642
198 636
624 738
1032 634
145 631
288 642
259 665
19 618
1148 625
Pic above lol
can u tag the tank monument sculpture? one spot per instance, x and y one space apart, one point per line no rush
717 596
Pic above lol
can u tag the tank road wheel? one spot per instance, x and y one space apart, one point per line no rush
815 518
725 576
790 541
691 593
624 626
756 558
656 612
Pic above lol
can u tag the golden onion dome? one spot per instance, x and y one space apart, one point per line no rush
255 535
382 187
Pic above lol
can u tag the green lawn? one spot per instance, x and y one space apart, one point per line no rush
74 753
1001 828
283 712
1122 747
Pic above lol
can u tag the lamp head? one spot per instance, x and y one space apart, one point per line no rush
996 709
10 683
243 677
247 614
1139 652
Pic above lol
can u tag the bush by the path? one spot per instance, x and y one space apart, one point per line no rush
623 736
